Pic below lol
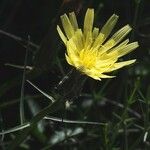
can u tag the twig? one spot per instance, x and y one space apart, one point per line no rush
17 128
45 94
72 121
19 66
22 117
122 106
18 39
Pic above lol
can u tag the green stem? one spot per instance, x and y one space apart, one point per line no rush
137 3
22 116
24 133
67 93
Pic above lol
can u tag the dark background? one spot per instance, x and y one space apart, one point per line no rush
38 19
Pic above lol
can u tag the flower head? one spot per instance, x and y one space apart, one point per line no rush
90 50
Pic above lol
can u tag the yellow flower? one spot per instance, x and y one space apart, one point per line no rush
89 50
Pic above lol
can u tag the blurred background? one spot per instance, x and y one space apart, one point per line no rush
28 28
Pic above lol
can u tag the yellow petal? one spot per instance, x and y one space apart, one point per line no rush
88 40
109 25
69 60
107 46
78 39
119 35
121 64
73 20
98 41
95 32
92 74
68 28
71 47
127 49
95 77
88 21
62 36
105 63
106 76
121 45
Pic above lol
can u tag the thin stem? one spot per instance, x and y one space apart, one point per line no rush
19 66
146 118
73 121
64 79
17 128
137 3
45 94
18 39
1 126
22 117
24 133
125 136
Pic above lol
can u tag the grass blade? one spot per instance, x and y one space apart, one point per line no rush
22 117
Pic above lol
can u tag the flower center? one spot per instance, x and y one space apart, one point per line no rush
87 58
